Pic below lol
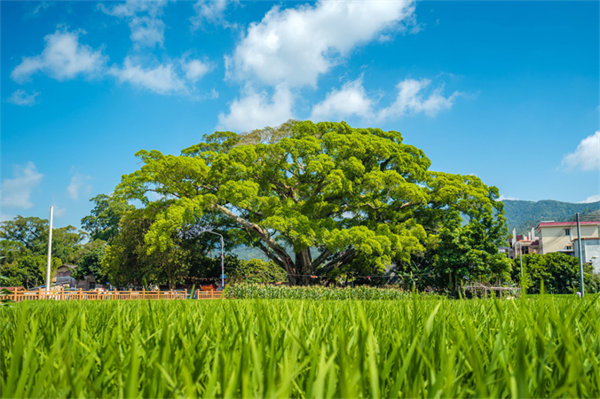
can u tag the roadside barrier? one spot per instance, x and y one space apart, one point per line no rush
97 295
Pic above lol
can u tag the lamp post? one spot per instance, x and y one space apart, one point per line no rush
205 230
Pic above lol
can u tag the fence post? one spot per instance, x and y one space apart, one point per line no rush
144 293
79 294
130 293
158 293
171 294
62 292
15 294
39 294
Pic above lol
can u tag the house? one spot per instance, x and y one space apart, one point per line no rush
64 277
590 251
521 244
559 236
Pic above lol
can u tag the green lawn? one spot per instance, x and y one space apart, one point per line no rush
414 347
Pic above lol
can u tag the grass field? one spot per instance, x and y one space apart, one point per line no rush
414 347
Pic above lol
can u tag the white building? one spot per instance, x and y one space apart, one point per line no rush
590 251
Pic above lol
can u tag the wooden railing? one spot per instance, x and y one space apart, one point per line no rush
65 295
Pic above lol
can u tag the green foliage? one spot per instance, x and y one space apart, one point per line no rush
523 215
262 291
127 260
543 347
558 272
103 221
24 246
258 271
315 198
90 261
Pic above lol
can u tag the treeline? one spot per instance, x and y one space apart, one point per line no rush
325 203
111 248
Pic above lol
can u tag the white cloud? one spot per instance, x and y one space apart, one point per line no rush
507 197
211 11
162 79
296 45
59 211
591 198
255 110
21 97
587 154
350 100
147 29
40 8
16 192
78 183
411 99
194 69
62 58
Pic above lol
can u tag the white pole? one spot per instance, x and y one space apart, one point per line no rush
49 250
580 256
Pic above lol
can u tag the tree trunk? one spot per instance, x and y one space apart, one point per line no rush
303 266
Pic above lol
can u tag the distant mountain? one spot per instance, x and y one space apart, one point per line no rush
523 215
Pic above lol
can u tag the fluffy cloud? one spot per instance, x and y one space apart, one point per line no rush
78 183
587 154
350 100
211 11
194 69
255 110
591 198
21 97
143 16
294 46
507 197
16 192
411 99
63 58
161 79
146 31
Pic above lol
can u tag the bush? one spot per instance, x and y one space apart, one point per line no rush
260 291
559 273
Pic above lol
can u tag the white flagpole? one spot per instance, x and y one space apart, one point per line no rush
49 251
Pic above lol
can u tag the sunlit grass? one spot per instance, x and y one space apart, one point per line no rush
415 347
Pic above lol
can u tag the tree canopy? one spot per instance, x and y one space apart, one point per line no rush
314 197
24 249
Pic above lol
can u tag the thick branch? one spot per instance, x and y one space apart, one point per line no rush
321 258
262 233
271 255
344 257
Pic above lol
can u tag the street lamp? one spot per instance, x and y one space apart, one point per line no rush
206 230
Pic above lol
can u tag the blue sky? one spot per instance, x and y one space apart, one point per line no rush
504 90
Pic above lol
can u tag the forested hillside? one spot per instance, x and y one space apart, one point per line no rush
523 215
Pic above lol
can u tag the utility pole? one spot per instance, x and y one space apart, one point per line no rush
580 254
49 251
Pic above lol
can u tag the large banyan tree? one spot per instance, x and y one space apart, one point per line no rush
313 197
